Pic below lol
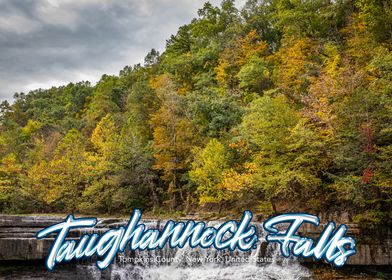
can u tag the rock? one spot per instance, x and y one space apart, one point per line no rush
18 242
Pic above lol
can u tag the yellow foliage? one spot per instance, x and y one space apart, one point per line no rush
236 182
333 65
9 170
172 133
104 136
251 46
220 70
295 63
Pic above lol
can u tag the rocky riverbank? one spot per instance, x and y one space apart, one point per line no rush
18 242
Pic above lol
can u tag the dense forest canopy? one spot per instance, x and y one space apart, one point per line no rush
284 105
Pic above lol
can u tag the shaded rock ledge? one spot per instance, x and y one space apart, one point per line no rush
18 242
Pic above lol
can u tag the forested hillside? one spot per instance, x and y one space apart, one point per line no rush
285 105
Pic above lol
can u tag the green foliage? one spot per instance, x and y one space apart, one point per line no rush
288 153
267 123
106 98
214 114
255 75
377 17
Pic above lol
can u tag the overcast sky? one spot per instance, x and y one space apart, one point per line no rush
46 43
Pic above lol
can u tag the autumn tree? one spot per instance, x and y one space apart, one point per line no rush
11 177
59 183
287 152
208 172
172 134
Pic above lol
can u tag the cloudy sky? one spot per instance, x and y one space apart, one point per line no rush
46 43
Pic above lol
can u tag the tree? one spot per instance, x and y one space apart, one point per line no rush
208 170
10 184
142 102
296 65
99 165
106 98
60 182
172 137
248 49
151 58
134 178
255 76
284 105
288 154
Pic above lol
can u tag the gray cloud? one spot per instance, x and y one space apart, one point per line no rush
53 42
